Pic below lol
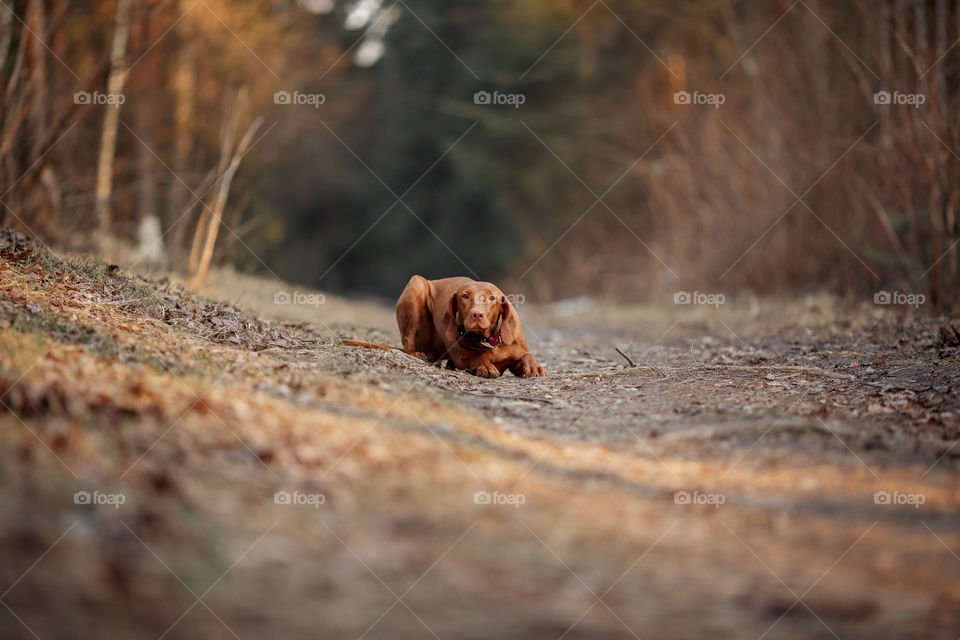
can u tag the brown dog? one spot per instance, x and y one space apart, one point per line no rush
469 322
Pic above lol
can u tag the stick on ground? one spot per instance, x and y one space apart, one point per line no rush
625 357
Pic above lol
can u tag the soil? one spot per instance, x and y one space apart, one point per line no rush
762 469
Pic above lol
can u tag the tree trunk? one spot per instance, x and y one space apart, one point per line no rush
37 19
215 215
228 134
147 91
6 34
108 138
183 81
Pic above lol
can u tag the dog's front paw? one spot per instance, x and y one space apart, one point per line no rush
527 367
487 370
532 371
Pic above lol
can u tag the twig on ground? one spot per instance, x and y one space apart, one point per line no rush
625 356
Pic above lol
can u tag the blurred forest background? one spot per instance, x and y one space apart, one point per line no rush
598 183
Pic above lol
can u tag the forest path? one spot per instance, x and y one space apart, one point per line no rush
725 486
807 417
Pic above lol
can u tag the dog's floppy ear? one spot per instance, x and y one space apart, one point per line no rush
451 322
509 321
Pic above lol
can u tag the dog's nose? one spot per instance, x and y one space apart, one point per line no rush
476 315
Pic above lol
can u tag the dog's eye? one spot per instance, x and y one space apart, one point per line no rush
492 298
466 296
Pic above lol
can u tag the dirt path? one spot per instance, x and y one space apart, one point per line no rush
725 486
804 411
794 421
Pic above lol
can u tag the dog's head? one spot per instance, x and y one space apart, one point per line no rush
480 308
